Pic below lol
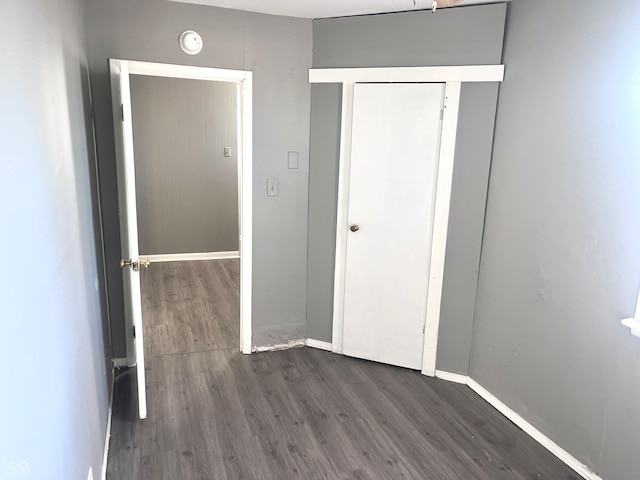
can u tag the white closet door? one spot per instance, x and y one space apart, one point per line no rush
394 152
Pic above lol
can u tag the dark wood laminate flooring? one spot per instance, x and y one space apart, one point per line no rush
191 306
297 414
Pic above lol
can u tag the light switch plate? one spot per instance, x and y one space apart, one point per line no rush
292 160
227 151
272 187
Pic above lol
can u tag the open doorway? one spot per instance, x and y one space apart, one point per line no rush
122 72
185 135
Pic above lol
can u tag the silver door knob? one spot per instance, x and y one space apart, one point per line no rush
354 228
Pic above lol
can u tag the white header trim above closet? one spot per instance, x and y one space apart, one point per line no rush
474 73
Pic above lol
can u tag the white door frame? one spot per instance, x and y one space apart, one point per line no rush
243 80
123 132
452 77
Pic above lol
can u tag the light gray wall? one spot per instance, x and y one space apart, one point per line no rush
460 36
186 189
457 36
326 105
278 51
561 259
54 400
466 223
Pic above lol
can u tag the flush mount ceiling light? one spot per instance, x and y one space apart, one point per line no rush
441 3
190 42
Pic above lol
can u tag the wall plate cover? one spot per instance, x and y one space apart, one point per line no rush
292 160
272 187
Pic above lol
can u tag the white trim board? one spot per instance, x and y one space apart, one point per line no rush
185 257
344 178
319 344
452 377
107 438
572 462
471 73
244 83
186 71
440 229
245 198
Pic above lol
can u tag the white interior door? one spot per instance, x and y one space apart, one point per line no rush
394 151
123 129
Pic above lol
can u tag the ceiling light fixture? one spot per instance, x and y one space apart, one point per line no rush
190 42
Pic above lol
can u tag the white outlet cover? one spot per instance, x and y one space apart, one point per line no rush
292 160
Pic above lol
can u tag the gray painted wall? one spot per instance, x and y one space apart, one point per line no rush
54 400
560 263
326 105
466 223
187 190
461 36
278 50
458 36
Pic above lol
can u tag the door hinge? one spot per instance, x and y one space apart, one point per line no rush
441 114
122 112
134 331
423 327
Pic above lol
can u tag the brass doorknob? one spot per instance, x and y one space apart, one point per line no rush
135 266
354 228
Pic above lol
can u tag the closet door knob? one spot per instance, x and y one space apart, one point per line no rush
354 228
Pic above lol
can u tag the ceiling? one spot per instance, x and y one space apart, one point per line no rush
328 8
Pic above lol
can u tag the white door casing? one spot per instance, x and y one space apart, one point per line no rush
394 151
123 129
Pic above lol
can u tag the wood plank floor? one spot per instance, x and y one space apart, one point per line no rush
191 306
296 414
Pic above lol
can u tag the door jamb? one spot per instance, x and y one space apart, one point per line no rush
243 79
452 77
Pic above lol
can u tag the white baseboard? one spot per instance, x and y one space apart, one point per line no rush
320 345
183 257
452 377
105 455
533 432
281 346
